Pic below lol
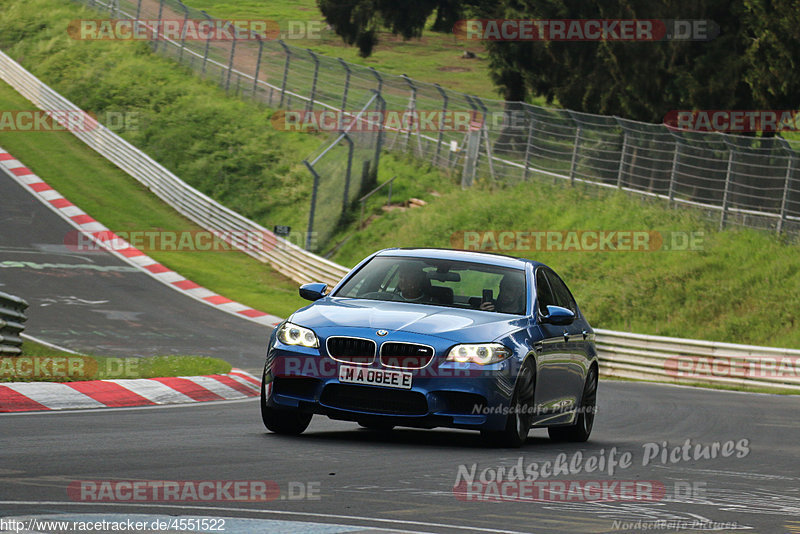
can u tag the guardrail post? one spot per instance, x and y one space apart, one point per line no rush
528 142
208 44
787 181
258 66
441 122
314 190
724 216
310 105
230 64
288 54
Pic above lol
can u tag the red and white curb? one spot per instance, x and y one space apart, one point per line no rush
39 396
131 255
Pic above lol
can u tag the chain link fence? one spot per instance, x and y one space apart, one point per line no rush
750 181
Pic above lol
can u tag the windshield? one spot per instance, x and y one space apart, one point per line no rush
454 284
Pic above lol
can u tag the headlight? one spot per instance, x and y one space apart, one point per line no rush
480 353
291 334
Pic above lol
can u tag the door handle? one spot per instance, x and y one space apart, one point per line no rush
566 336
585 334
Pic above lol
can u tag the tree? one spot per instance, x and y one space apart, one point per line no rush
751 63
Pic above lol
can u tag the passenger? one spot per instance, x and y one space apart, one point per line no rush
510 298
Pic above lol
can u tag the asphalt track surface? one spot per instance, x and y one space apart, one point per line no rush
360 480
97 303
404 479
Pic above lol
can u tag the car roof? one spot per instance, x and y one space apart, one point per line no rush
488 258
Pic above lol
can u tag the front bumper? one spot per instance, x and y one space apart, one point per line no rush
442 394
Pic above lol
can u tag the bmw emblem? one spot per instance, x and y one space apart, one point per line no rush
381 332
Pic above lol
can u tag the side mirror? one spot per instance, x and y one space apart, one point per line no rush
558 316
313 291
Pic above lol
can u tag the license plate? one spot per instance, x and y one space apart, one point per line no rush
375 377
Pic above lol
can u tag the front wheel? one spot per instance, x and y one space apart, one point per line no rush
519 420
580 430
282 421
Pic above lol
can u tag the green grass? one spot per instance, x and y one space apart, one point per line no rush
437 56
68 367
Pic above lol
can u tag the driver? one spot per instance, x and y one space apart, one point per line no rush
413 282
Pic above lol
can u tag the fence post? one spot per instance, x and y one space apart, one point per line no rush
486 141
208 44
345 199
531 123
472 150
377 77
258 66
787 181
183 30
441 122
310 104
155 36
412 105
230 64
288 54
379 138
138 9
347 73
310 229
676 159
724 215
574 163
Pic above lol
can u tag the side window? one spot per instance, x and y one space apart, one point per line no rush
543 293
562 295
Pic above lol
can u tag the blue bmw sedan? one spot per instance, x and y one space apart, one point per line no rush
437 338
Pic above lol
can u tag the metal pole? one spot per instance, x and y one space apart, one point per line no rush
158 25
622 159
528 147
724 215
377 77
676 158
208 44
412 105
310 229
346 68
785 198
441 121
345 199
574 162
285 70
138 9
485 133
258 66
183 30
379 138
310 104
230 64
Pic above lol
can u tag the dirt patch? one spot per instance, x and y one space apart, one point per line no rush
454 69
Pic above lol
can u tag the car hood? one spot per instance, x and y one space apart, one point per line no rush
449 323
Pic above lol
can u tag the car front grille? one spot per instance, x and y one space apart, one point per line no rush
406 355
351 349
374 400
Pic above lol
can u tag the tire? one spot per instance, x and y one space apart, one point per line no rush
519 421
581 429
282 421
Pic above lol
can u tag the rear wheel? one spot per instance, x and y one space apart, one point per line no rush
519 420
282 421
580 430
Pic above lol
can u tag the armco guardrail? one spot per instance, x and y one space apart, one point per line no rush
284 256
690 361
12 317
